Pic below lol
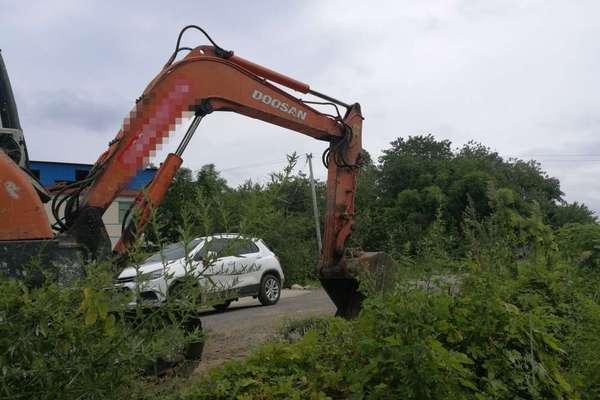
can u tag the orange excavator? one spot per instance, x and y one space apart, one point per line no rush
208 79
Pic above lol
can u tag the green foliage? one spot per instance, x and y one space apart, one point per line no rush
508 324
201 202
470 190
77 340
570 213
414 163
487 305
580 244
420 176
523 337
84 338
491 302
281 214
514 231
419 180
295 329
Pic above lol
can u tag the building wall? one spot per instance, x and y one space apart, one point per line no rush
51 173
113 218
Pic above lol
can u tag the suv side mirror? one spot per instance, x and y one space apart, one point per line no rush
212 255
209 256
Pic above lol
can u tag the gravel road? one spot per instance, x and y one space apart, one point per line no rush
246 323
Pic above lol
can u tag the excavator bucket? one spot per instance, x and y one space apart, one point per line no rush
369 273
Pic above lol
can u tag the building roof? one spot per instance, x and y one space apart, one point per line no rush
51 173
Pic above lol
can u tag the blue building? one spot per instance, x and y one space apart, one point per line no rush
50 173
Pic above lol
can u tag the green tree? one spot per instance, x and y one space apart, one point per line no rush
580 244
418 176
210 182
414 163
576 213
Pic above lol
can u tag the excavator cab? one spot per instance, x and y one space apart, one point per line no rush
11 136
12 140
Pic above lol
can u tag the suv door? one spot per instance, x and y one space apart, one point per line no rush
246 264
216 264
233 263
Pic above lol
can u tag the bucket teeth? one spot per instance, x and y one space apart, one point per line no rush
345 295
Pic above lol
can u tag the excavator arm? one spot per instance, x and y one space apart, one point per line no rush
201 83
207 80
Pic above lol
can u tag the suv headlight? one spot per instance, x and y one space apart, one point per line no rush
148 276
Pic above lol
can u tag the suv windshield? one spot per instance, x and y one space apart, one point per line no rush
173 251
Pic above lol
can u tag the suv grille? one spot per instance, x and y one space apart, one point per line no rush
125 280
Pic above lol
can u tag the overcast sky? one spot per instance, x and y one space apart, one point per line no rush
521 77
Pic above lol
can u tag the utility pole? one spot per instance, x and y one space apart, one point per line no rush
314 199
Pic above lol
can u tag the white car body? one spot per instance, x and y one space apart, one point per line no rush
238 275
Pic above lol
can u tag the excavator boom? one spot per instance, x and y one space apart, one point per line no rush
210 79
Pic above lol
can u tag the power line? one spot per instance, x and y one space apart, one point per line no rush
274 162
559 155
540 157
552 160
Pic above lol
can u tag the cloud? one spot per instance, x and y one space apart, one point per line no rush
518 76
90 115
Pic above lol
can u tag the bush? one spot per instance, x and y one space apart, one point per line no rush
580 244
297 328
525 333
76 340
511 319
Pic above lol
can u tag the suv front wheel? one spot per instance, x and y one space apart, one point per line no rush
270 290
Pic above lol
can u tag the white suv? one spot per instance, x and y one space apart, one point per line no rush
227 264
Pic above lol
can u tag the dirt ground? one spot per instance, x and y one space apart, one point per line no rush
246 324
